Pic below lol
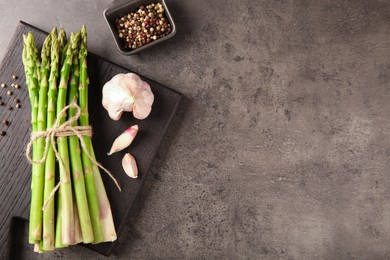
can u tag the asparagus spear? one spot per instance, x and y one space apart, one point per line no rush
66 188
63 53
31 82
75 161
30 64
48 213
63 43
63 47
35 57
84 121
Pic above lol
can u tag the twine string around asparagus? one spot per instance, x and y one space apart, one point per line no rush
62 130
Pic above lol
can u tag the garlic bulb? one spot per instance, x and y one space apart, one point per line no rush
127 93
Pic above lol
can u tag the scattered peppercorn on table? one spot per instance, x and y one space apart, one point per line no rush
9 101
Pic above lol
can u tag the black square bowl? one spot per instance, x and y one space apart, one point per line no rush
117 11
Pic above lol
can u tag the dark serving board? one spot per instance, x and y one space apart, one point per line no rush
15 172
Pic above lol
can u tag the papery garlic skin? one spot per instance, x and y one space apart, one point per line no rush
127 93
124 140
130 166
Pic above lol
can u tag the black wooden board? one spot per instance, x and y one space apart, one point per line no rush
15 172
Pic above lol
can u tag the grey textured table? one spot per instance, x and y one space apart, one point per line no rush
281 149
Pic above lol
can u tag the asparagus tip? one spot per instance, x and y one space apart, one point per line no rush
54 31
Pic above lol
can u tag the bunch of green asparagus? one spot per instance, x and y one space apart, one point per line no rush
80 210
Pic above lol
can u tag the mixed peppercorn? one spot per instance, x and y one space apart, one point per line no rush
6 123
145 25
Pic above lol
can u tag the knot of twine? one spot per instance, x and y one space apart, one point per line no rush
62 130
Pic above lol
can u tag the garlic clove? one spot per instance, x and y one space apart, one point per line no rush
130 166
124 140
117 97
143 104
116 114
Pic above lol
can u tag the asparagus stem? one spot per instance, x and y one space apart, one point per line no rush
58 233
30 61
84 121
109 233
48 213
66 188
37 248
63 54
78 236
76 163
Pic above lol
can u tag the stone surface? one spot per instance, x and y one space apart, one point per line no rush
281 149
